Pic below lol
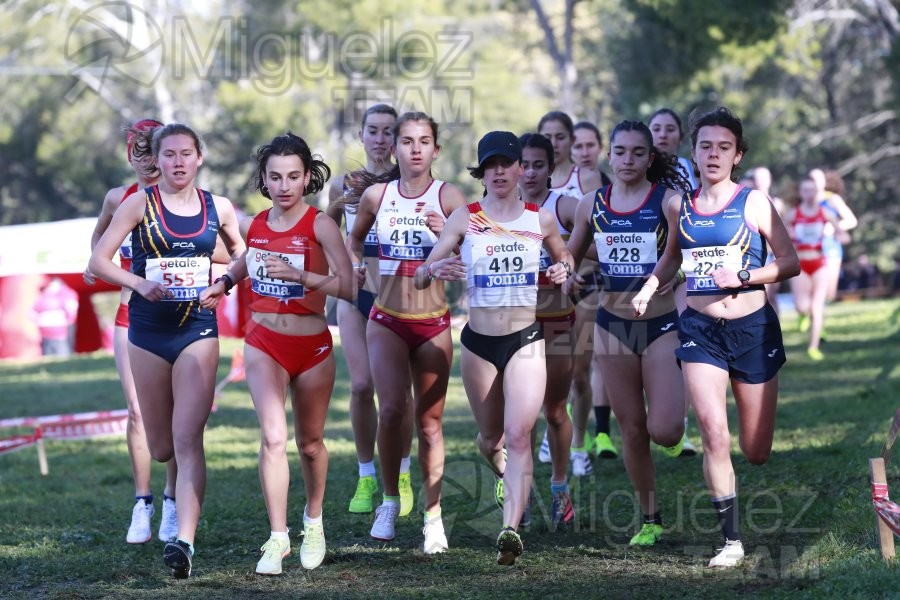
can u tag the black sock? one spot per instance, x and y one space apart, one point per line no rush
655 519
146 499
167 497
601 415
728 516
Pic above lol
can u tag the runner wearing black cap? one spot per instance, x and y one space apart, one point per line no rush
502 353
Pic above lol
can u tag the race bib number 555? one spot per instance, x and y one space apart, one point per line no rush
264 285
699 263
184 277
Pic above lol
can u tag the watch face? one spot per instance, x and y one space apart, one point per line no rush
744 275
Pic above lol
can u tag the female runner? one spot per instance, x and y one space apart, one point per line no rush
728 332
295 257
502 355
173 228
408 332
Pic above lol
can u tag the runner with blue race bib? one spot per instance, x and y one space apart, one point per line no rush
502 346
728 332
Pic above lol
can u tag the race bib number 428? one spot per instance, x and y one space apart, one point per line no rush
626 254
699 263
264 285
184 277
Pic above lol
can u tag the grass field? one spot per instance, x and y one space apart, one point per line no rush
806 516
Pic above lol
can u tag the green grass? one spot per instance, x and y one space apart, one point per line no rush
806 516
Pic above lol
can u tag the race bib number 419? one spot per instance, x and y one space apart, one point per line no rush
699 263
184 277
269 286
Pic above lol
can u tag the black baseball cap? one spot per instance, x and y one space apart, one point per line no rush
499 143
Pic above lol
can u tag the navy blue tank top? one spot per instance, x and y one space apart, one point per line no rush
628 244
175 251
721 239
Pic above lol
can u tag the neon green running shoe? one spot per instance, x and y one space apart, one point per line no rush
603 447
648 535
803 323
407 498
498 491
815 354
362 499
674 451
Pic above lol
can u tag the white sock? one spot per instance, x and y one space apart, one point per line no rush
310 520
367 469
404 464
280 535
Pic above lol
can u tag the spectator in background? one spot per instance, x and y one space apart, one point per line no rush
55 312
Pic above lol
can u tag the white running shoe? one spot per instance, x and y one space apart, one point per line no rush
168 525
312 550
581 464
139 532
435 539
729 556
383 527
688 449
273 551
544 452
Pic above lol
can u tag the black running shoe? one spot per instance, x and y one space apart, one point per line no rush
177 556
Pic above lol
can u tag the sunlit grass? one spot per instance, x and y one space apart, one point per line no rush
806 515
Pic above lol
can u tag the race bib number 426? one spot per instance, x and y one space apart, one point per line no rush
699 263
264 285
184 277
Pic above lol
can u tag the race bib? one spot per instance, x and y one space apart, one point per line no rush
406 238
699 263
504 266
370 245
184 277
809 234
125 248
269 286
626 254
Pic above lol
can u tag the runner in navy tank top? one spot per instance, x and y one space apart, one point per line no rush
140 156
729 331
627 223
173 227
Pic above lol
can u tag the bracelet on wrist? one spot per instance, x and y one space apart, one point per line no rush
228 282
430 272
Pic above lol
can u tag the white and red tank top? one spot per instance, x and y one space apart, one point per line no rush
404 239
502 259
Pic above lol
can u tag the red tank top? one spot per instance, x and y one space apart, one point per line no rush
125 248
300 248
808 232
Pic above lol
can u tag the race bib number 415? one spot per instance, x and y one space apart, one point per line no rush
269 286
184 277
699 263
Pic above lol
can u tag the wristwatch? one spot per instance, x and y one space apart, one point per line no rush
744 277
